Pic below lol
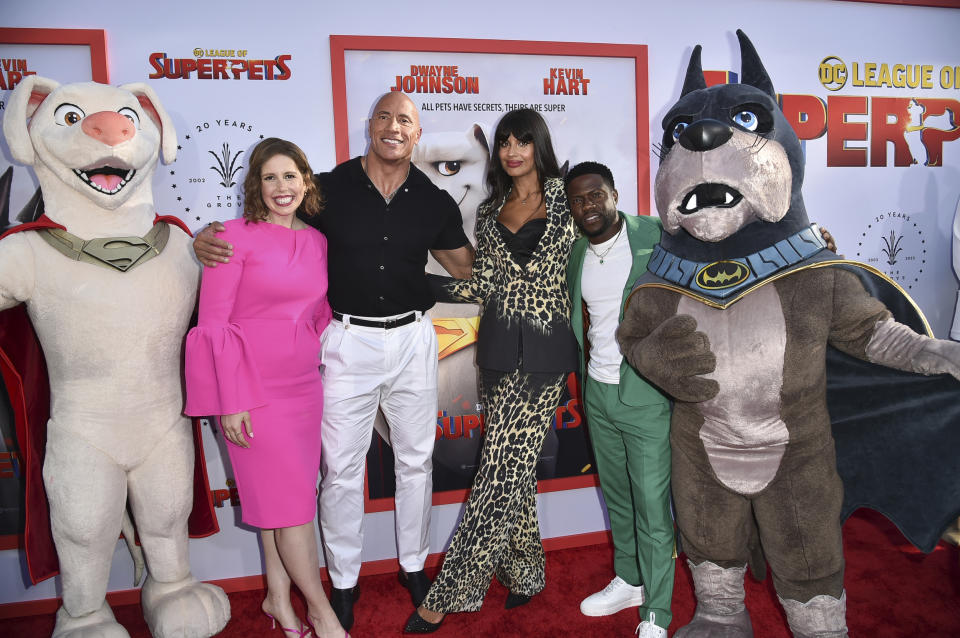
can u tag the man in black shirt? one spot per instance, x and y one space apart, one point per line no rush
381 217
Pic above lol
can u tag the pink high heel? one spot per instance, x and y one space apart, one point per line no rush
346 634
303 632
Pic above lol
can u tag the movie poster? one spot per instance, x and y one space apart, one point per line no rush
590 96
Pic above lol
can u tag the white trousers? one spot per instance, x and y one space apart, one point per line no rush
367 368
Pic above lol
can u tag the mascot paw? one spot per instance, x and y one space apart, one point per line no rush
707 625
184 609
937 357
99 624
674 356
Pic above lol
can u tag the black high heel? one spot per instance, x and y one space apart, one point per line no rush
515 600
416 624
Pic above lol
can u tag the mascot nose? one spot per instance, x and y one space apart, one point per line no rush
705 135
109 127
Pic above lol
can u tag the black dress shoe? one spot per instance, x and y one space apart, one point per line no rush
515 600
417 625
341 600
417 584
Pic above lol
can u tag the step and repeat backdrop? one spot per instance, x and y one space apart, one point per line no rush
873 90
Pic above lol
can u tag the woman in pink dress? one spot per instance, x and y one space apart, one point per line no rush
254 360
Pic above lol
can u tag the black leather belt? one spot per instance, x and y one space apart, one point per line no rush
386 324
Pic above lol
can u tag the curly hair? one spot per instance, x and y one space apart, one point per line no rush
254 210
589 168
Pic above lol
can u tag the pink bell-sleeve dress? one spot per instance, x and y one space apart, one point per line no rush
256 347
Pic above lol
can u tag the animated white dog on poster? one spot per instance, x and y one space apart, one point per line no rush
456 161
919 122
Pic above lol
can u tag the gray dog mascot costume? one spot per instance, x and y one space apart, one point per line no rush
741 319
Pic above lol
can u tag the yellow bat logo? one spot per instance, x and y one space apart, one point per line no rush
722 274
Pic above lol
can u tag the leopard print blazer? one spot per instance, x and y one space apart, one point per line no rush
525 318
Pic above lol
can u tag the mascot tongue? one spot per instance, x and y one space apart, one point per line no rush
106 181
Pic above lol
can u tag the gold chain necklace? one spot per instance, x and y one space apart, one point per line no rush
529 195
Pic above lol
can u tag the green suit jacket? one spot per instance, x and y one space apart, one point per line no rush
643 232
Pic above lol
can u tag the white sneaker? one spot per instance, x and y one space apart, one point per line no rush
647 628
614 597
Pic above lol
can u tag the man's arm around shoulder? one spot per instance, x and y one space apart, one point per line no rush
209 249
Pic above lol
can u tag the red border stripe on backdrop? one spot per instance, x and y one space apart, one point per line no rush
96 39
948 4
258 581
449 497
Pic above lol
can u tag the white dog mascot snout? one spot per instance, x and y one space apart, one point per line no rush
109 287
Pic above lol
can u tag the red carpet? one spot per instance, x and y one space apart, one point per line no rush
893 591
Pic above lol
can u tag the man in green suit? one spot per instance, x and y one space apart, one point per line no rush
628 419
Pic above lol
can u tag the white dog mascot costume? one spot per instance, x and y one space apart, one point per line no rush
109 287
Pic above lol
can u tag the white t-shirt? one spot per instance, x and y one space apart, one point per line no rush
602 284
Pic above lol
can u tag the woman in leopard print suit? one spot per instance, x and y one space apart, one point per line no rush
525 351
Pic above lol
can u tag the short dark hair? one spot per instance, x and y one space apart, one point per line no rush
526 125
590 168
254 210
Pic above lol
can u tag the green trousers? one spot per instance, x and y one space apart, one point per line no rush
632 448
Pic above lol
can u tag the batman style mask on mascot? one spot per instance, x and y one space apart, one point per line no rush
742 318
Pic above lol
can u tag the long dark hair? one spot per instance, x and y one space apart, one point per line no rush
254 210
526 125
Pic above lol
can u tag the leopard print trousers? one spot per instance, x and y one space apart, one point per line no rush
499 533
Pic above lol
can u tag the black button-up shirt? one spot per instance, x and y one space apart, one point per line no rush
377 251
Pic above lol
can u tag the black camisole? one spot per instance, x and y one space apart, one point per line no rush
524 242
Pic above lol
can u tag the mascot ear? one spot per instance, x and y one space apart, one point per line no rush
751 68
694 80
24 102
151 104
